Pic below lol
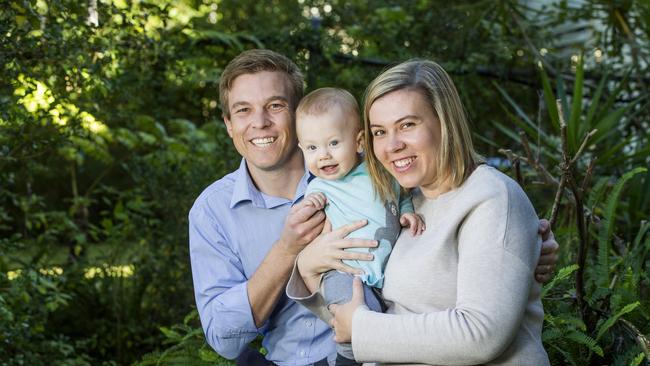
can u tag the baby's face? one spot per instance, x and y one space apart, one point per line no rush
329 142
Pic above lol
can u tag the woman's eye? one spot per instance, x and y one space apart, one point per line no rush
377 133
407 125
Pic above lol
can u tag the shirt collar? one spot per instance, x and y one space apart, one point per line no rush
244 190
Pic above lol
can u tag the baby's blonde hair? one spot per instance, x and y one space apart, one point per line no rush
320 101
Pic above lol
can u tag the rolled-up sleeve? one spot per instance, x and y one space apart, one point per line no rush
220 287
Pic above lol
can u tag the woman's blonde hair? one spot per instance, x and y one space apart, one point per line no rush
456 157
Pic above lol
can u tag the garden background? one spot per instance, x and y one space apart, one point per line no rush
110 127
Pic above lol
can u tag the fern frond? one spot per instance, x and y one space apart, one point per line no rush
609 322
597 192
587 341
551 334
638 359
561 275
607 226
567 356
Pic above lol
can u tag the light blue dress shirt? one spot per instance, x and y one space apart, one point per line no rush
232 227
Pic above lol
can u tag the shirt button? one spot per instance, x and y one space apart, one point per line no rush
302 353
308 323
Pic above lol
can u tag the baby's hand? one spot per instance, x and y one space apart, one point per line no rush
414 222
316 199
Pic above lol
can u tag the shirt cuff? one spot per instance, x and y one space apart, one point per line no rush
239 319
297 290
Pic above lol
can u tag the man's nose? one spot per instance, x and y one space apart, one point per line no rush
260 119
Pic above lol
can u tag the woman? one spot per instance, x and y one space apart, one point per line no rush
463 292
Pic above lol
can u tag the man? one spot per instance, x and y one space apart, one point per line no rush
244 233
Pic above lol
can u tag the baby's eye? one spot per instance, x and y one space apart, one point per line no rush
334 142
311 147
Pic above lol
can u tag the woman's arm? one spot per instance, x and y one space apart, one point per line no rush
326 252
323 254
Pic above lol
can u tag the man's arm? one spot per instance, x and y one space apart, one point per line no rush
302 225
219 287
232 308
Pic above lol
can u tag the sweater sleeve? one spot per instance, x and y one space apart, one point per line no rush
495 273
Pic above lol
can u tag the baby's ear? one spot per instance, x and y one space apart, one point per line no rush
360 142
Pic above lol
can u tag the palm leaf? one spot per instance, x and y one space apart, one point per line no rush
607 124
576 107
549 98
594 104
561 95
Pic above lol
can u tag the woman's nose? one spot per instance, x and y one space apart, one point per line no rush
395 143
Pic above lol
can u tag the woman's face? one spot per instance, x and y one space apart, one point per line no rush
406 138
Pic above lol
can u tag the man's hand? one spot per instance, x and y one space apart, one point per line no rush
414 222
342 321
302 225
548 257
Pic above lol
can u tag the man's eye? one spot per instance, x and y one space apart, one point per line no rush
276 106
242 110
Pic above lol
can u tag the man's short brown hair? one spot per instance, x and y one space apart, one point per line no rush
258 60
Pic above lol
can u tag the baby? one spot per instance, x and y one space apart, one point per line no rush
330 136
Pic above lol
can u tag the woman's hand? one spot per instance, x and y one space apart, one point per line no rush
342 321
548 257
326 252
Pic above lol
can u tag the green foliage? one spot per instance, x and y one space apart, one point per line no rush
601 317
26 304
607 225
186 346
108 132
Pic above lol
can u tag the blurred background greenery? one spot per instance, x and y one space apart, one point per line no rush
110 127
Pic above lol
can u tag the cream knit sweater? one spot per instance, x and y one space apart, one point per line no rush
463 292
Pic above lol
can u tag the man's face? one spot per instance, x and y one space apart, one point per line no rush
261 120
330 143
